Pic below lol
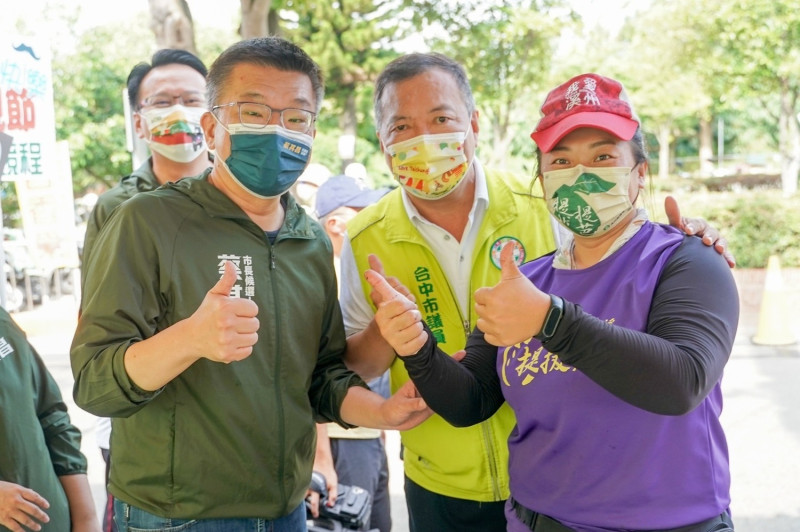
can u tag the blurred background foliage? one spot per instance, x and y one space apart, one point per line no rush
715 83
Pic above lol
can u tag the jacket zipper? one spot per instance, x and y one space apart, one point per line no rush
278 398
492 457
486 429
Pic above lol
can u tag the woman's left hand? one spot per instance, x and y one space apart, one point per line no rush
514 309
698 227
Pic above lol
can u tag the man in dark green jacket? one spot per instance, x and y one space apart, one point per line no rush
43 483
211 329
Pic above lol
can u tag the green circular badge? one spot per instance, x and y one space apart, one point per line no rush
500 243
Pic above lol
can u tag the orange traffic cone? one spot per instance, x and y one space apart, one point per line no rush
773 318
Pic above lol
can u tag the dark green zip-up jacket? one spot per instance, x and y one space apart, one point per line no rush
38 444
220 440
141 180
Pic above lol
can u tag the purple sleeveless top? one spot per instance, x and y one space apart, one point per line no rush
580 454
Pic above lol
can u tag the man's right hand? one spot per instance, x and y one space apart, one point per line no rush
226 327
398 318
21 507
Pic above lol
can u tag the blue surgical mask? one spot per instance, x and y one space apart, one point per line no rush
266 162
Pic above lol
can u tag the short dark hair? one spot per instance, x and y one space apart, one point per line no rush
410 65
167 56
273 52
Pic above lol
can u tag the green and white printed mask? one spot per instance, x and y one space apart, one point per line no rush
589 201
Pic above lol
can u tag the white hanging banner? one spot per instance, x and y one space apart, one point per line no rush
26 107
48 215
39 168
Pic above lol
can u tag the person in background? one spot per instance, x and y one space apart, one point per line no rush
197 335
337 202
357 456
305 189
43 483
167 96
440 236
610 350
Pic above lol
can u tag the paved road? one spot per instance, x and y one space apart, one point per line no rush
761 418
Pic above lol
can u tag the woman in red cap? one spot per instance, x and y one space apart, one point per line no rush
610 350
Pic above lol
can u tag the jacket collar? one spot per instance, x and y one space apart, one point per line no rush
142 179
296 223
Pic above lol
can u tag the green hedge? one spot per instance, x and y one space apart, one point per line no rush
756 223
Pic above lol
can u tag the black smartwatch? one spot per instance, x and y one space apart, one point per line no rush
551 319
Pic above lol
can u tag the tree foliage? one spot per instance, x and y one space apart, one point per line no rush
506 47
670 93
350 42
740 61
757 225
757 43
89 85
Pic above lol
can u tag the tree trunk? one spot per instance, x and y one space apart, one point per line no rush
500 132
789 141
501 147
273 23
706 141
254 18
347 122
172 25
664 138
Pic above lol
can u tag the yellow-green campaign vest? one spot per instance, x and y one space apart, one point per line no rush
467 463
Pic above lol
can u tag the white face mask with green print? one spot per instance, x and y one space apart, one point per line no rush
589 201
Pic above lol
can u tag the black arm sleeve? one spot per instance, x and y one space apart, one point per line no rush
670 368
462 393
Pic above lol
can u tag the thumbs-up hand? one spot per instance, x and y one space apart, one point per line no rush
514 309
397 317
225 327
376 265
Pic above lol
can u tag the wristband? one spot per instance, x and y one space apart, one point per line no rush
551 319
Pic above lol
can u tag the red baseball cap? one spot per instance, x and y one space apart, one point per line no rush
588 100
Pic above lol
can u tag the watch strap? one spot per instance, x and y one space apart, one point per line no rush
551 319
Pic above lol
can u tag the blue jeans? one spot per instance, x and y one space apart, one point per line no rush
132 519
